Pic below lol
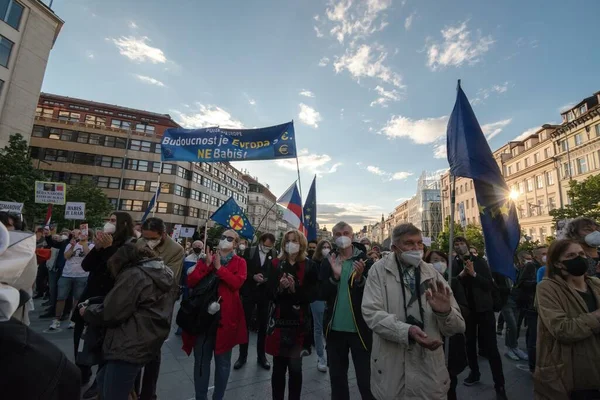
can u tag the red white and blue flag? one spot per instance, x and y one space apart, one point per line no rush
48 218
292 204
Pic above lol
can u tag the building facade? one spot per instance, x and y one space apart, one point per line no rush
28 30
119 149
262 209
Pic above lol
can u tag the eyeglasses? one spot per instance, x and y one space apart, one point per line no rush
228 238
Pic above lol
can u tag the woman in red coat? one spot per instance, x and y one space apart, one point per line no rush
231 270
293 283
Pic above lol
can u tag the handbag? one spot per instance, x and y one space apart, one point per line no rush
193 316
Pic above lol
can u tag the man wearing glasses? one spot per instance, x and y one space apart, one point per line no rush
409 306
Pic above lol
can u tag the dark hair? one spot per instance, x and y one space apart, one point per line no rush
313 241
7 217
124 227
461 239
127 256
155 225
427 257
267 236
574 226
318 256
557 249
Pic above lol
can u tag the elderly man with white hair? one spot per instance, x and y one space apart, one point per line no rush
197 252
409 306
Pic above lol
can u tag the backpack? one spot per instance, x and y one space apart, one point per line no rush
193 316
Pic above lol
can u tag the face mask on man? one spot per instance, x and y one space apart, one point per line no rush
109 227
292 248
153 243
440 267
593 239
343 242
265 249
412 257
576 266
197 250
463 250
311 252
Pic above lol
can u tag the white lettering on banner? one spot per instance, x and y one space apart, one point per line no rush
74 210
196 141
50 192
11 206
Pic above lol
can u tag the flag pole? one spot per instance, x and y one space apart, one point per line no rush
210 191
263 218
300 188
157 188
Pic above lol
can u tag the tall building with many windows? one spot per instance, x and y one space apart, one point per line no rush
119 148
28 30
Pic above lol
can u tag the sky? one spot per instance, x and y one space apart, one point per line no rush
369 84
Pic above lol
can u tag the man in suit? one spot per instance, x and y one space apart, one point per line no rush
254 295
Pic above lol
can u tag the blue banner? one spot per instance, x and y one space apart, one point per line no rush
219 145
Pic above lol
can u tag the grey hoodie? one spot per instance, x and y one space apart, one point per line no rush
137 312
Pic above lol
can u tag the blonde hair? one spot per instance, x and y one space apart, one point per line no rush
283 254
235 235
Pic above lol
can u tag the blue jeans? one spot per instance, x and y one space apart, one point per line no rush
116 379
203 354
74 286
509 312
318 310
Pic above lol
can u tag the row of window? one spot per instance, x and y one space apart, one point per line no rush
166 208
537 182
527 209
91 119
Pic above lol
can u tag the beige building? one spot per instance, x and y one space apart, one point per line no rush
28 30
262 208
119 148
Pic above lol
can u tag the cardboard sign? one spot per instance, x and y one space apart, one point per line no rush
50 192
187 232
74 210
84 229
461 215
11 207
176 231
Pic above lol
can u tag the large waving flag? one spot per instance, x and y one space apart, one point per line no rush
151 204
310 212
469 155
292 203
231 216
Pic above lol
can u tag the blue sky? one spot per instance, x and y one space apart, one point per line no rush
368 83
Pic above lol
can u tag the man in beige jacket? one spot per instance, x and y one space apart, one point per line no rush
409 306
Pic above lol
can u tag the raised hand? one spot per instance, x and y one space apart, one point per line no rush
358 267
438 296
336 265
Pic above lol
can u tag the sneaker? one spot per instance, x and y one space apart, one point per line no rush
501 393
521 354
322 365
71 325
510 353
471 380
55 325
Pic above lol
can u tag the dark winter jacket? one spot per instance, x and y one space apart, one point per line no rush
457 358
526 284
59 264
478 289
137 313
328 291
252 257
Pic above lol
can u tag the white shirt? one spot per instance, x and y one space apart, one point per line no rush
73 265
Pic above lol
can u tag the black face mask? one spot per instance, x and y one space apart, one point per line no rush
576 266
197 250
311 253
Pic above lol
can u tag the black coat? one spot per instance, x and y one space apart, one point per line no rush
478 289
526 284
457 357
253 265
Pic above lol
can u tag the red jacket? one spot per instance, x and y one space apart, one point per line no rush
232 326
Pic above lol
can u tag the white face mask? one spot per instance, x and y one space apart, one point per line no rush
593 239
153 243
292 248
412 257
265 249
368 247
64 237
225 244
242 247
109 228
544 259
137 234
343 242
440 267
325 252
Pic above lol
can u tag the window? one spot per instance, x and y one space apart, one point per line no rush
5 50
137 165
74 179
543 233
530 185
204 198
570 116
108 182
59 134
144 128
95 139
551 204
133 184
132 205
10 12
540 207
549 178
109 162
521 188
578 139
178 209
536 158
546 152
597 128
567 171
213 201
509 170
99 122
196 178
582 109
38 131
161 207
140 145
111 141
83 137
117 123
205 167
183 173
44 112
526 162
56 155
564 145
518 166
157 148
68 116
193 212
76 107
167 169
182 191
84 158
165 188
581 165
195 195
539 181
215 186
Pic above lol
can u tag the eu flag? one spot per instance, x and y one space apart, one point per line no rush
469 156
310 212
231 216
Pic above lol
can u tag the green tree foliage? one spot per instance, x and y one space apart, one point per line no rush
472 233
18 176
585 198
97 206
214 235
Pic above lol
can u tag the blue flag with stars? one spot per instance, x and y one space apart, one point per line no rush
310 212
469 156
231 216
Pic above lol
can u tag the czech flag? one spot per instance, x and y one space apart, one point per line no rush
48 218
292 205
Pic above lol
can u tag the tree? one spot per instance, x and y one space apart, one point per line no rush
214 235
97 206
18 176
584 200
472 233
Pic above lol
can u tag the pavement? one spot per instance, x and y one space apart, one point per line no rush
176 380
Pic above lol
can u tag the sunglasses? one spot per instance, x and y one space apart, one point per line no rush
228 238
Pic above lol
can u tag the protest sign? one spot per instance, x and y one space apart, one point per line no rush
74 210
11 207
50 192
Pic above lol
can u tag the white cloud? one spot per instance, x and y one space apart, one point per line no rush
385 96
252 102
389 176
400 176
494 128
318 32
89 54
566 107
364 63
309 115
526 134
316 17
409 20
402 199
440 151
319 164
137 49
376 170
358 20
206 116
484 94
323 62
458 48
132 25
149 80
420 131
357 215
306 93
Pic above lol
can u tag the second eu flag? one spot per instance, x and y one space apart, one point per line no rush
231 216
469 156
310 212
